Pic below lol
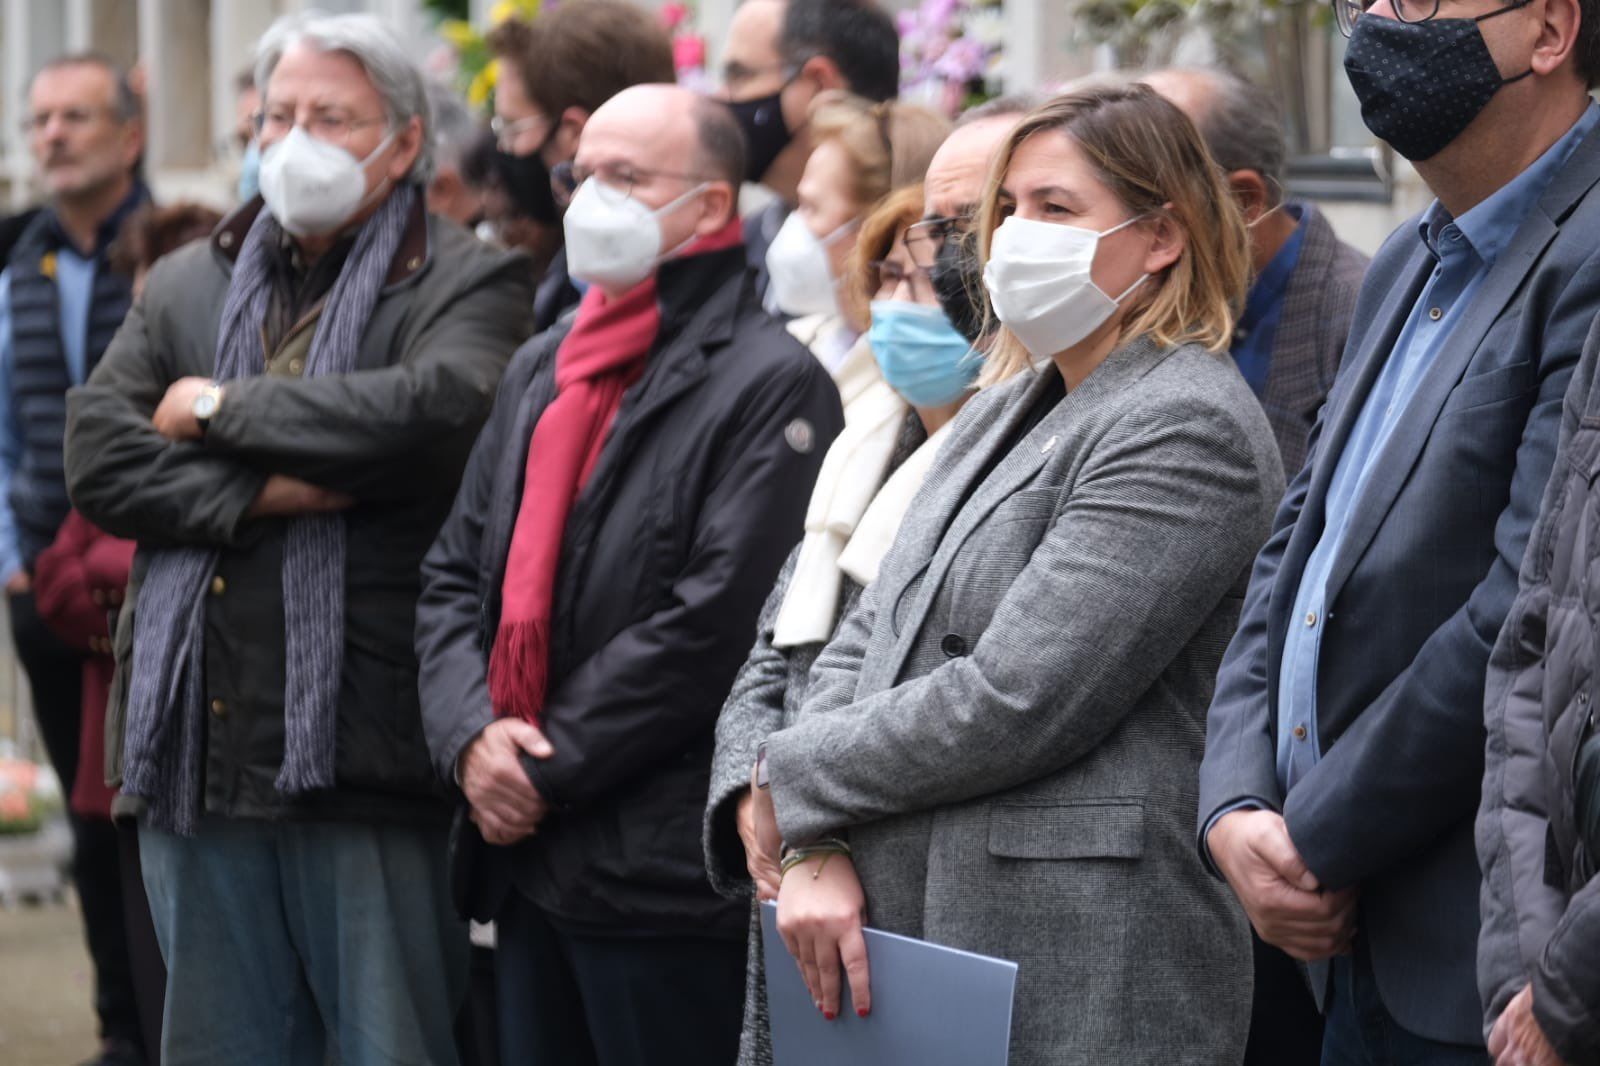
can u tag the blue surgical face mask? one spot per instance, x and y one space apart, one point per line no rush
250 172
922 356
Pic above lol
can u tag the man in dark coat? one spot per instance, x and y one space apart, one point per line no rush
281 425
60 302
644 473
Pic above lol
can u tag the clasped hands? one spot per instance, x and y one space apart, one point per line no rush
1282 897
821 908
504 804
280 495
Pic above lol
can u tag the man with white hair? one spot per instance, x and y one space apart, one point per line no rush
281 424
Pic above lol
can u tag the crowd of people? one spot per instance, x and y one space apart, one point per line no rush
1037 534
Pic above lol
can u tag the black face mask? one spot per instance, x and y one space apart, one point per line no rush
765 132
957 278
1422 83
527 181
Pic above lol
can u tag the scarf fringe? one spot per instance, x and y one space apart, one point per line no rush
519 669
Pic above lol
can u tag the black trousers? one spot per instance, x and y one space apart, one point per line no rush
569 998
1285 1025
55 676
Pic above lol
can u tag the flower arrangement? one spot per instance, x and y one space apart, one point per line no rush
688 46
29 794
464 58
950 52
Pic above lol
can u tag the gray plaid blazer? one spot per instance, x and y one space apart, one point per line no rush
1317 308
1010 721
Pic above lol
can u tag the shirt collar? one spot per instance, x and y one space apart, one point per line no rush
1489 226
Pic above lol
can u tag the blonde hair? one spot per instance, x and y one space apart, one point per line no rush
1151 158
889 144
879 230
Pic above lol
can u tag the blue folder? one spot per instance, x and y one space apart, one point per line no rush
931 1006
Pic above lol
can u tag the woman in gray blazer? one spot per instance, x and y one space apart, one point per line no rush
1006 729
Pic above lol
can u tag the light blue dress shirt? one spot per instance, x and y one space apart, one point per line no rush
74 289
1466 248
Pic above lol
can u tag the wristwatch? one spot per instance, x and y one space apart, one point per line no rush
206 402
762 778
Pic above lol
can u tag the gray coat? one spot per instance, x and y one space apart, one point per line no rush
1541 896
1312 329
1010 720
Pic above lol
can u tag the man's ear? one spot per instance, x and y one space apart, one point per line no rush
721 200
569 128
823 73
408 146
1252 192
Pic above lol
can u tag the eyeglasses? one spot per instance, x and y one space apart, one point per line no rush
891 275
335 127
73 118
1347 12
926 239
506 133
614 180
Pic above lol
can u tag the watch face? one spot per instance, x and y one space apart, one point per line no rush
205 405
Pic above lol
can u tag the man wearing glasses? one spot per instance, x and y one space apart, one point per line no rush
594 590
778 58
1345 752
941 243
555 73
281 424
60 303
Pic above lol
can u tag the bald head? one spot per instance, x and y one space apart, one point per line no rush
954 183
1239 121
668 149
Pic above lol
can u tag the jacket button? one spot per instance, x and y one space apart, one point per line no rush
1299 732
218 586
414 262
219 708
225 238
953 646
295 366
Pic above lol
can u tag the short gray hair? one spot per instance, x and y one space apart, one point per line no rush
1242 127
455 131
369 42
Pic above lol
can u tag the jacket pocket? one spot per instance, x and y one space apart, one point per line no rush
1093 829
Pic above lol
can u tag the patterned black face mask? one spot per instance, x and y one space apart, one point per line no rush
957 278
1422 83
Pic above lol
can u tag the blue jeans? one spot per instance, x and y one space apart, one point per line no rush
1360 1031
304 943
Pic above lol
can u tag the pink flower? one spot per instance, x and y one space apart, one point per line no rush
673 15
688 51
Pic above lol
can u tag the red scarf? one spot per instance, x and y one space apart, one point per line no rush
604 353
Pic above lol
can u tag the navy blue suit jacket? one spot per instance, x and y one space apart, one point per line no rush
1425 577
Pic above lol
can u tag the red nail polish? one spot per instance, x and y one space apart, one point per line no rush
861 1012
828 1014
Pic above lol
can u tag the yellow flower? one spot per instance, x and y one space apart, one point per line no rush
459 34
482 85
47 265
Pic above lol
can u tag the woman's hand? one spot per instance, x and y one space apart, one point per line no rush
821 909
758 830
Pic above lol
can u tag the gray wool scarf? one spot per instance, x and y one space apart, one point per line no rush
165 731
